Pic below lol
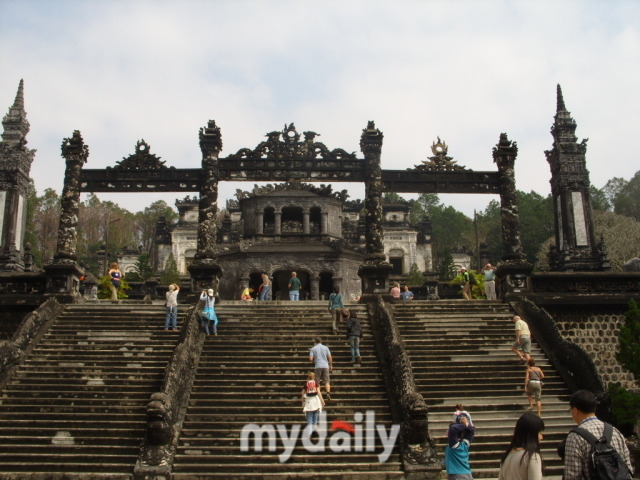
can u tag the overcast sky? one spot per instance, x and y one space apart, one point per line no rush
121 71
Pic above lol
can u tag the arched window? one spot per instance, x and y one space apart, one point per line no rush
292 220
269 221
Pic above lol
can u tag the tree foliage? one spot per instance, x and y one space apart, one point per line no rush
141 269
415 276
626 404
446 268
170 274
620 234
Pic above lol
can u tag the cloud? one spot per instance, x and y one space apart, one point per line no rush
465 71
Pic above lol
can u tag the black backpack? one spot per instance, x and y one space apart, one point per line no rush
472 279
605 463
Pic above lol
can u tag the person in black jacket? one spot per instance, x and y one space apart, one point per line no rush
354 334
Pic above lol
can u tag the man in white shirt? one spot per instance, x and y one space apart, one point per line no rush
523 339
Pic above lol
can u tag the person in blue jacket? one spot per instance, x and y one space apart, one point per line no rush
456 453
208 313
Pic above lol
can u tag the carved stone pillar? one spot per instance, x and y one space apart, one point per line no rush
260 223
324 223
243 282
64 272
314 288
15 165
277 228
514 268
305 222
576 248
205 271
375 271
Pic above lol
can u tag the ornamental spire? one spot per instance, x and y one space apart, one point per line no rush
560 105
15 121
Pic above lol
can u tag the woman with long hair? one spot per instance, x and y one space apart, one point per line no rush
522 460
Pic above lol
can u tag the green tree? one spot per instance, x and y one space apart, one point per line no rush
627 201
536 222
451 229
599 199
626 404
170 274
446 268
415 276
142 269
389 197
44 225
420 208
145 222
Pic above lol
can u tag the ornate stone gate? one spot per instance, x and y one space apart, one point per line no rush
285 156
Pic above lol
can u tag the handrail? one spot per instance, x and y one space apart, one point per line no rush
14 352
167 408
574 365
407 404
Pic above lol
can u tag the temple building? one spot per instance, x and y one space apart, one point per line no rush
298 227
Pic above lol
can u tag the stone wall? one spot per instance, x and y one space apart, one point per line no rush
597 331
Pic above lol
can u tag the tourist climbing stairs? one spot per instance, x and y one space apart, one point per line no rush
461 353
253 372
76 407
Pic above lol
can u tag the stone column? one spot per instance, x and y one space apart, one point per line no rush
513 269
64 272
277 228
337 283
375 271
314 289
324 223
305 222
260 223
205 271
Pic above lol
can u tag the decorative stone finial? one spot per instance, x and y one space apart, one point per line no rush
560 105
210 138
371 139
15 121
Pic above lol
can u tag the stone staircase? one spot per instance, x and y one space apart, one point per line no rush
76 407
461 353
253 372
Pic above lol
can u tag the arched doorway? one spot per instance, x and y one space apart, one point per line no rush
281 282
326 285
255 280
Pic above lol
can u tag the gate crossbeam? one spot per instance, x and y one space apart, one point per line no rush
416 181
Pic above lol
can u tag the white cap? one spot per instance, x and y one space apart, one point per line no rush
210 291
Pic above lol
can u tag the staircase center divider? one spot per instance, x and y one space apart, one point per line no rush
166 409
408 407
32 326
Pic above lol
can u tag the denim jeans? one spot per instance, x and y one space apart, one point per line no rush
294 295
354 344
313 418
172 317
264 295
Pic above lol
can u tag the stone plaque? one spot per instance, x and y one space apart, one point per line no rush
579 220
3 198
20 222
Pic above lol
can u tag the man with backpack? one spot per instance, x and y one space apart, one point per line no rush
594 450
